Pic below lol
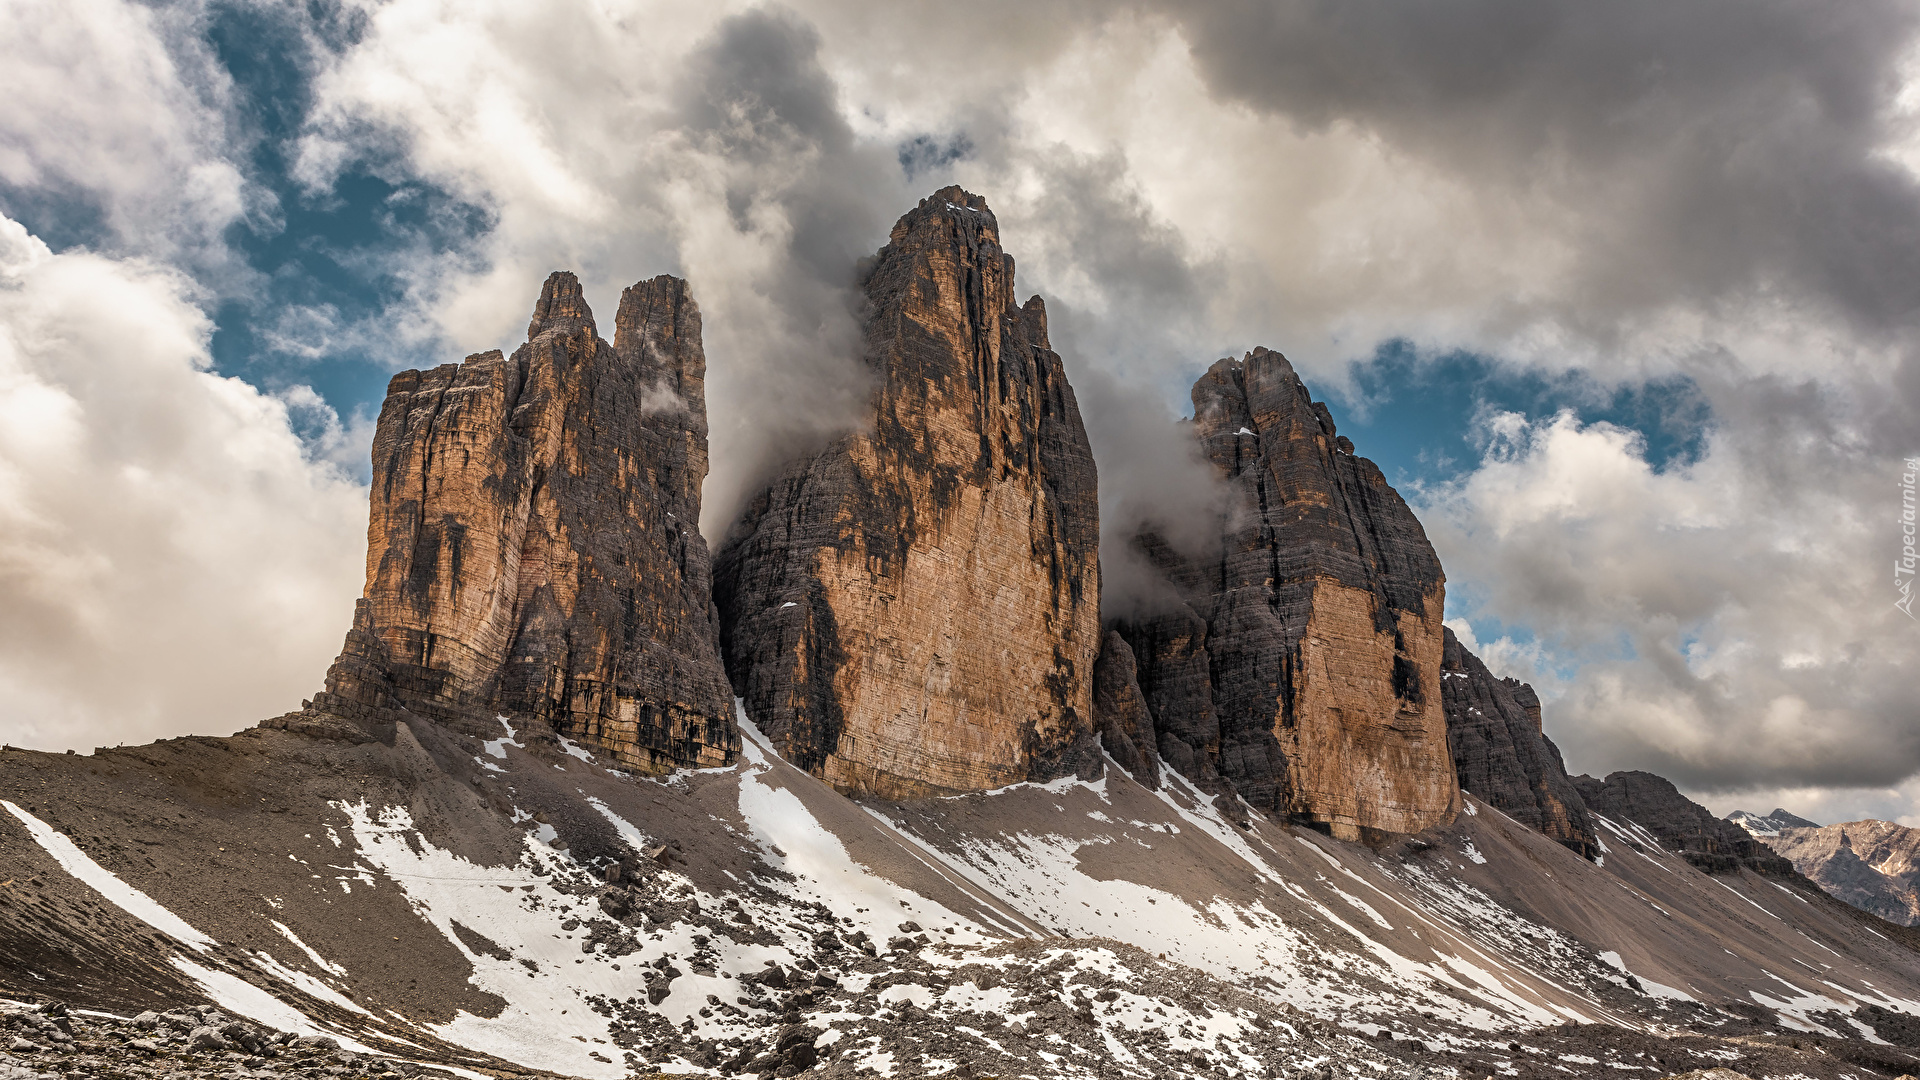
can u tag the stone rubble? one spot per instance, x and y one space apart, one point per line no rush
49 1041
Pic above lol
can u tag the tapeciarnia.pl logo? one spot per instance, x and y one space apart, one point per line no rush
1903 567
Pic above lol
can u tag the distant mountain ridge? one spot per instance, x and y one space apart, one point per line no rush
1769 826
1873 865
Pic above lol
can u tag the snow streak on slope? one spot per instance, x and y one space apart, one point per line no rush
794 841
1339 946
546 1023
107 884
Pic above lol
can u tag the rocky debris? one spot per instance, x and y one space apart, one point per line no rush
1079 1005
534 546
1501 754
1872 865
1302 667
913 610
51 1041
1680 824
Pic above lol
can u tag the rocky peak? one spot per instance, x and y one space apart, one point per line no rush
562 306
914 609
533 547
1303 668
1501 754
1682 825
1872 865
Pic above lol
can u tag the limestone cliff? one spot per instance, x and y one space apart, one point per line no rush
533 546
1303 669
914 609
1501 754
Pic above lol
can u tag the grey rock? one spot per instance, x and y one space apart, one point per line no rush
1872 865
1501 754
1297 663
1680 824
1120 712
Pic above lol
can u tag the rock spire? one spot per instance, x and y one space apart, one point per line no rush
1302 668
533 547
913 610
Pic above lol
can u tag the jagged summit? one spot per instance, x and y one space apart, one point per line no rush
533 547
914 609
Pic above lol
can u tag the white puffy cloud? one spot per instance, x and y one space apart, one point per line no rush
171 558
117 110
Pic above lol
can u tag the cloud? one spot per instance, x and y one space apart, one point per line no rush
1712 154
115 127
172 558
1726 622
733 165
1605 197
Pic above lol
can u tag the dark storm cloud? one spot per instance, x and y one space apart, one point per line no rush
1723 148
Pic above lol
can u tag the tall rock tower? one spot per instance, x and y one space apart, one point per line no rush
534 545
915 609
1304 666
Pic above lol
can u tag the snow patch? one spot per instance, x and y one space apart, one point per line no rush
107 883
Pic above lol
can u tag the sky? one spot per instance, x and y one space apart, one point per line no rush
1624 298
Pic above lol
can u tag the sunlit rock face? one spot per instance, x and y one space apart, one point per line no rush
533 546
914 610
1501 754
1302 667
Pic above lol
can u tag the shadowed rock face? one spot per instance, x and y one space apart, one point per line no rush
914 610
1304 668
1120 711
533 547
1500 753
1682 825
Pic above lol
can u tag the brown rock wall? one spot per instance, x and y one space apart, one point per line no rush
1316 627
533 544
914 609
